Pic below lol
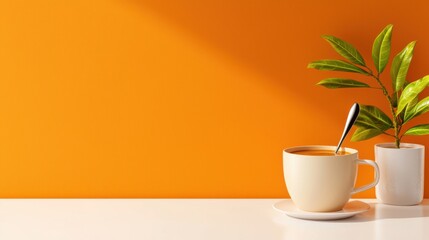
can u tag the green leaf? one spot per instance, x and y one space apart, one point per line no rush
381 48
342 83
400 66
422 129
394 98
336 65
406 83
373 117
365 123
409 110
410 92
416 109
345 49
365 133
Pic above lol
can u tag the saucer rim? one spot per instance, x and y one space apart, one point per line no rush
301 214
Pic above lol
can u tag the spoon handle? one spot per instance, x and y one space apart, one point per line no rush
351 118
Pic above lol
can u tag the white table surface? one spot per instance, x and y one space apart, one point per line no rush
201 219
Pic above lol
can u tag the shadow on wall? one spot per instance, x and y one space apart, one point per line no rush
275 38
279 38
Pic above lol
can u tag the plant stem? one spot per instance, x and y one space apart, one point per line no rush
396 125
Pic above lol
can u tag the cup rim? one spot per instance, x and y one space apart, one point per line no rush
291 150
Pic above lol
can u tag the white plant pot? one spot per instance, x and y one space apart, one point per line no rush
401 173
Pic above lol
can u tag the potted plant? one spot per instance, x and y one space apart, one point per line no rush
401 164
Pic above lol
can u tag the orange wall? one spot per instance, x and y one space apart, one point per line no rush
150 98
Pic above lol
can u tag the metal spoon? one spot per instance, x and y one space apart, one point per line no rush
351 118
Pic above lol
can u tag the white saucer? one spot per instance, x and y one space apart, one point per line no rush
350 209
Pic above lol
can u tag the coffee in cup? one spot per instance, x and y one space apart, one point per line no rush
321 152
320 180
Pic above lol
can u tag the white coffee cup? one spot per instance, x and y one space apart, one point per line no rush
319 183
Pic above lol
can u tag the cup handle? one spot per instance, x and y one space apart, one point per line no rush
377 176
